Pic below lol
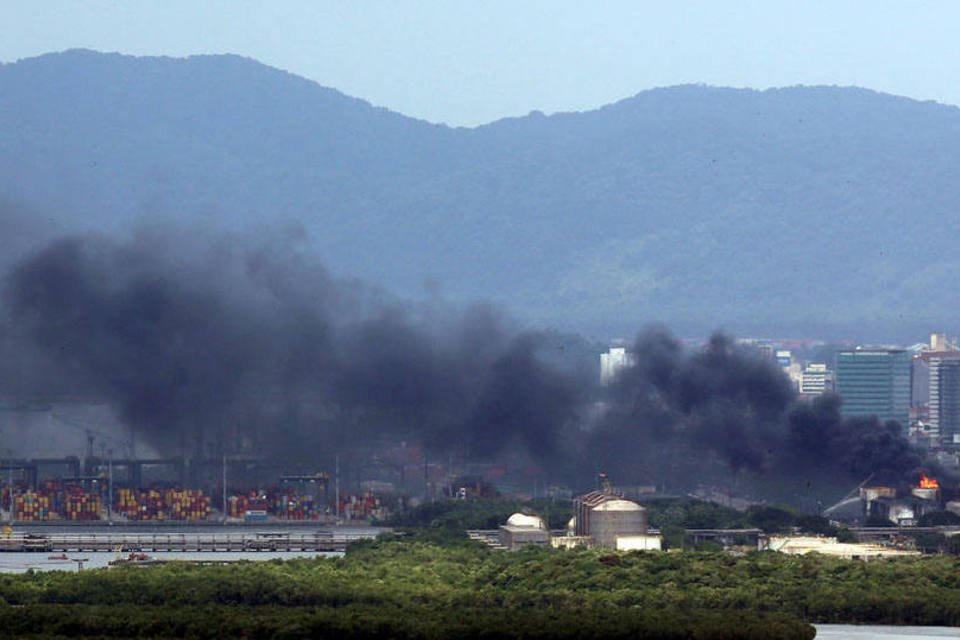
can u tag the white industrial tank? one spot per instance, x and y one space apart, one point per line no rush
614 518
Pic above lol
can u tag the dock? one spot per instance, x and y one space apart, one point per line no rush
322 541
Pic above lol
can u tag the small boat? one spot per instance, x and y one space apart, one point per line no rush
62 556
136 559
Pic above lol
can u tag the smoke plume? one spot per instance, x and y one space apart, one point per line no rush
209 346
204 345
686 416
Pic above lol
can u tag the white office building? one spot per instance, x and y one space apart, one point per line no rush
613 362
816 379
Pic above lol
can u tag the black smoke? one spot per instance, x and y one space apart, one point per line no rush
229 345
722 413
820 438
204 345
713 403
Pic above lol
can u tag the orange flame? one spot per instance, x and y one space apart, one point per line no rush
928 483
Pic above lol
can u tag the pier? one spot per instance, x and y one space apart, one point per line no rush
322 541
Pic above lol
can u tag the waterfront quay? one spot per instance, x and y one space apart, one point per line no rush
317 540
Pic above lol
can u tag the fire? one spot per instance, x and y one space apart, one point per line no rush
928 483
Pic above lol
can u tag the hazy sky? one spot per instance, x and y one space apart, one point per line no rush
472 62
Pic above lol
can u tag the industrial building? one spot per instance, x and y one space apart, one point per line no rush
645 542
802 545
601 519
606 520
875 382
521 530
903 510
614 519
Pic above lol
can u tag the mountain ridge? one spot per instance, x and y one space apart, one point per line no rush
821 211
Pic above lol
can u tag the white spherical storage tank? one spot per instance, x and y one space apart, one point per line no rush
522 530
523 520
615 518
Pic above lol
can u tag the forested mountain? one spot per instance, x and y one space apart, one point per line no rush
816 211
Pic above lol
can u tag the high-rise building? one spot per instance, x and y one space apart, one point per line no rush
935 401
816 379
940 342
943 408
875 382
920 384
764 348
791 367
613 362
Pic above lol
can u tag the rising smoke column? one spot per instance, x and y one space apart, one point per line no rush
204 345
720 401
201 345
820 438
696 416
169 356
523 402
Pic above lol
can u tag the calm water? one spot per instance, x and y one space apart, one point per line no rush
20 562
874 632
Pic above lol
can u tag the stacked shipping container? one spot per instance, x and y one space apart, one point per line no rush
166 504
187 504
31 506
291 506
55 500
80 505
50 502
360 507
250 506
139 505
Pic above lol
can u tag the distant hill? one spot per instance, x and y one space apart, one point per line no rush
816 211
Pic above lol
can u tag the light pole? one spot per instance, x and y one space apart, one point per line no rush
224 487
10 485
110 486
10 493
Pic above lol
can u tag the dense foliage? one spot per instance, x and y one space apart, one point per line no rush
411 588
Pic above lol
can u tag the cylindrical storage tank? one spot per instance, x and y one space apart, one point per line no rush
616 518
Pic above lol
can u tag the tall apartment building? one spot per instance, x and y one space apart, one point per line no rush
613 362
943 405
875 382
935 402
816 379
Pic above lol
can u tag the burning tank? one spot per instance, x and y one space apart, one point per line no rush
928 489
902 509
